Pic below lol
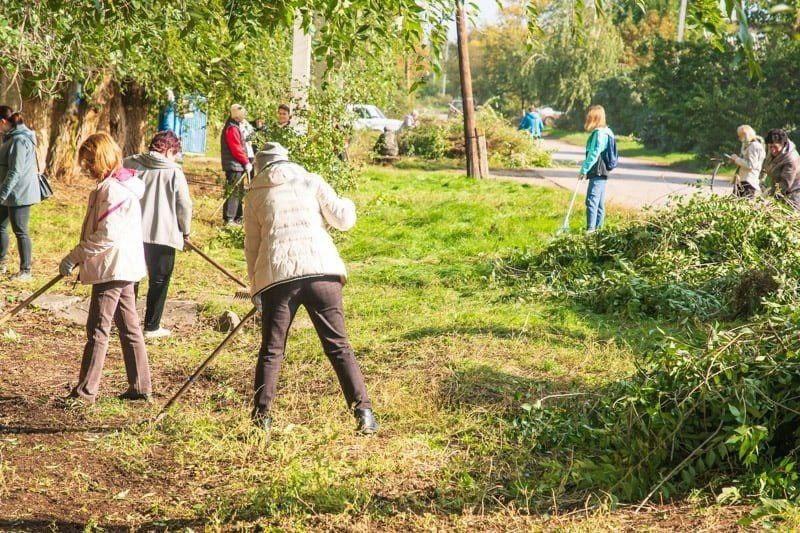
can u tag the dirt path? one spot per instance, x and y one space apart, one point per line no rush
634 184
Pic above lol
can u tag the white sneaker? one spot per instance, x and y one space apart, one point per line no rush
157 334
22 277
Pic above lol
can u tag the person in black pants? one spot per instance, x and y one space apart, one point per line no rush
166 221
235 163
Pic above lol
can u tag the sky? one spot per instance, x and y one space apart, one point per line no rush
488 14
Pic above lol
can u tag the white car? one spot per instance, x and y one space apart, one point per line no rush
369 117
549 116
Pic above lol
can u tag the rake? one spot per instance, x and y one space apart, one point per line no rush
30 299
241 294
190 381
565 225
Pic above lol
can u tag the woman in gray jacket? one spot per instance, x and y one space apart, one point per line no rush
19 189
166 220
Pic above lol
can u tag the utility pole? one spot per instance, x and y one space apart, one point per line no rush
682 21
301 68
466 91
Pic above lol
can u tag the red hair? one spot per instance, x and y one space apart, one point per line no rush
164 141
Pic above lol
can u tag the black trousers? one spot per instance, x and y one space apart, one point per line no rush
19 218
322 298
160 264
233 205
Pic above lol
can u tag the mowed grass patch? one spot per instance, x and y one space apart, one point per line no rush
449 357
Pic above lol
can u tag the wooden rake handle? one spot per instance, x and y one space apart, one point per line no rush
202 367
219 267
30 299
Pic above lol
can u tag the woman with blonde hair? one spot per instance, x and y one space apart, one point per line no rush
594 167
749 162
111 257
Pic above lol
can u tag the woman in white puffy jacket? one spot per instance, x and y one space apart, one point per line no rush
111 259
293 261
746 181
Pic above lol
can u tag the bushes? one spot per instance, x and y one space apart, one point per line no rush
429 140
507 147
717 407
704 258
716 413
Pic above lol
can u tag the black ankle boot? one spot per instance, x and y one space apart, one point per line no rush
367 425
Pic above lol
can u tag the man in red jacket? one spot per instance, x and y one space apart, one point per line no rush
235 163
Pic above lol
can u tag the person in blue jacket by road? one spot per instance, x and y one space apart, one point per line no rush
594 168
532 123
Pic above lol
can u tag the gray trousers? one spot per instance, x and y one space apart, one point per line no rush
113 301
19 218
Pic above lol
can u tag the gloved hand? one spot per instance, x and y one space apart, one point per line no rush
66 267
248 168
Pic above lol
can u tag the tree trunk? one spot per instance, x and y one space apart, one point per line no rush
135 106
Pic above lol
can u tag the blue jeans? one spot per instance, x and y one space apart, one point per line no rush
595 203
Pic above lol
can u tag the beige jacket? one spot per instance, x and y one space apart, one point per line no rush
750 162
286 216
111 246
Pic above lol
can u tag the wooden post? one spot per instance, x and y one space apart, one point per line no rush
483 155
466 90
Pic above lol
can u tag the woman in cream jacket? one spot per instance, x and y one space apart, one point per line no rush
293 261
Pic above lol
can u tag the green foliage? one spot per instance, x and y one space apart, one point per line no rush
704 258
507 147
715 406
719 412
575 58
429 140
692 97
328 130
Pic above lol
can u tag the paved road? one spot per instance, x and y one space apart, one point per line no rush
634 183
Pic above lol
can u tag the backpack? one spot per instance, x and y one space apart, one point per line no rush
610 155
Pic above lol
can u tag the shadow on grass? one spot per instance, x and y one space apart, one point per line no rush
66 526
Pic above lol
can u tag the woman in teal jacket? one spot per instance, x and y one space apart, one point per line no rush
593 167
19 188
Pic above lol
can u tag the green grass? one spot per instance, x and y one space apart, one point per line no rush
448 355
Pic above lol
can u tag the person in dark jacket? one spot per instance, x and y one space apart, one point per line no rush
235 163
19 189
782 165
